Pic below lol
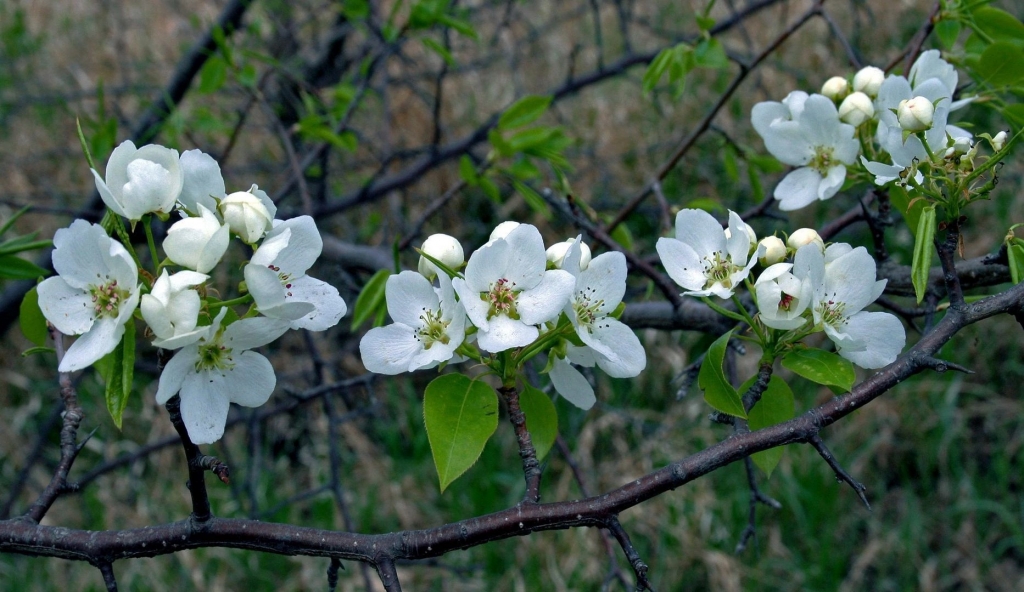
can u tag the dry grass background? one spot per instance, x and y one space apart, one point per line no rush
941 455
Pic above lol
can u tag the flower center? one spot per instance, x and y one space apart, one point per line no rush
586 307
502 299
823 160
214 356
718 270
284 278
832 312
107 298
433 329
786 302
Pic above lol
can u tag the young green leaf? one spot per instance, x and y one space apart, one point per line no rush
656 69
947 30
1001 64
922 262
717 390
31 319
213 75
16 268
118 369
460 415
371 300
775 407
709 53
467 170
1015 253
821 367
999 25
525 110
541 419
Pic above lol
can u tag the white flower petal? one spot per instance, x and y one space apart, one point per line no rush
174 373
627 357
390 349
476 308
486 266
303 248
882 335
106 195
526 257
798 189
70 309
98 341
850 279
738 243
605 281
254 332
204 406
330 306
700 231
408 295
504 333
681 263
251 381
546 299
569 383
832 182
202 181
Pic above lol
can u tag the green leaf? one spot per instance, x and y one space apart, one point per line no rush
623 236
440 50
371 299
775 407
709 53
460 415
525 110
1015 253
656 69
467 170
821 367
85 144
31 319
999 25
23 243
532 198
16 268
490 189
118 369
541 419
732 169
717 390
704 23
1014 114
922 262
37 350
1001 64
14 218
213 75
947 31
911 213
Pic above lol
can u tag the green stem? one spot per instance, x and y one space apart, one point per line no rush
722 311
146 222
749 319
240 300
543 343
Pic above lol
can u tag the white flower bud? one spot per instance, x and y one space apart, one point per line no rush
961 145
247 215
856 109
445 249
868 80
502 230
774 250
556 253
805 236
197 243
998 141
835 88
916 114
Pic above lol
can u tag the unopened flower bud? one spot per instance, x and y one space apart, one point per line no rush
774 250
198 242
502 230
961 145
445 249
805 236
916 114
856 109
835 88
247 215
556 253
868 80
998 141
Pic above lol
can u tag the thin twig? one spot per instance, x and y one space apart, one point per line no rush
639 567
947 255
388 574
107 569
841 474
332 575
756 497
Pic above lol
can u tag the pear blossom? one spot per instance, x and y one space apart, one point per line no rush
773 250
916 114
171 309
138 181
219 369
203 183
782 297
276 277
803 236
835 88
568 381
429 325
446 249
844 283
805 131
250 214
94 294
701 259
507 292
856 109
556 253
868 80
198 242
502 230
998 141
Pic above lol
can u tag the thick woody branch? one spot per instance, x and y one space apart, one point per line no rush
531 466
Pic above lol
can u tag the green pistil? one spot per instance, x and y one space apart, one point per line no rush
107 298
214 356
502 299
823 159
786 302
585 307
433 329
832 312
718 270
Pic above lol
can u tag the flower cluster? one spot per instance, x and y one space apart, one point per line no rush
822 289
514 296
98 289
896 119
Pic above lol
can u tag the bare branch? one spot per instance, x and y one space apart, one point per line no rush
841 474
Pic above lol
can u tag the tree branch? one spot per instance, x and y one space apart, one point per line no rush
531 466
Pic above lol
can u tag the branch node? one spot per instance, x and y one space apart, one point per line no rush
943 365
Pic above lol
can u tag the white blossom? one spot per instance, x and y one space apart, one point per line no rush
203 183
556 253
998 141
805 131
198 242
171 309
782 297
804 236
835 88
276 277
94 294
250 214
773 250
856 109
219 369
446 249
868 80
701 259
915 114
507 292
138 181
429 325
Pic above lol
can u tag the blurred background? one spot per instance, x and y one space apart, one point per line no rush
374 117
